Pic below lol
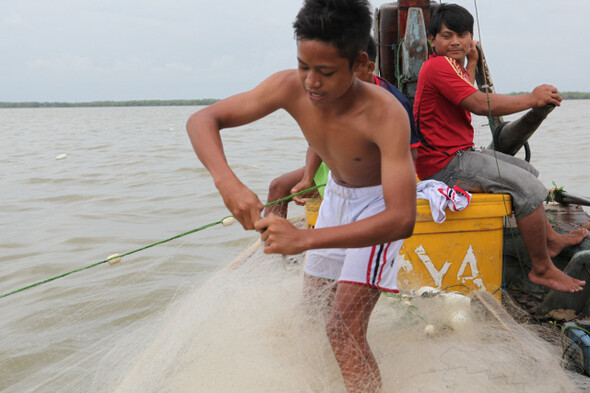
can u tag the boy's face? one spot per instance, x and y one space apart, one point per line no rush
324 74
452 44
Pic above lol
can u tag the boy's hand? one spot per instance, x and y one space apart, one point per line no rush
280 236
242 203
302 185
545 94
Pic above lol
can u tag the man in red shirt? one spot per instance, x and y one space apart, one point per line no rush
444 101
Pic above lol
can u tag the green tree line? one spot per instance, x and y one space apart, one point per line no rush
566 95
34 104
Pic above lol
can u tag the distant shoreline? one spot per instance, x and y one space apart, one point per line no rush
567 95
34 104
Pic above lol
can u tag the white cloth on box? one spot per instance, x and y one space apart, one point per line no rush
441 196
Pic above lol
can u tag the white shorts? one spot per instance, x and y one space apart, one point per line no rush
371 266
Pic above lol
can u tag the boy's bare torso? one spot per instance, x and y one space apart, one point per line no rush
360 130
344 136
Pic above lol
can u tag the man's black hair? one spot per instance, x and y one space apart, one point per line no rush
346 24
453 16
372 49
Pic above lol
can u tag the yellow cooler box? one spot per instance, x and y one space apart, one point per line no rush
463 253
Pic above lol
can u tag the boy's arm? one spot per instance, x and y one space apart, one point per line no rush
506 105
312 163
203 129
399 191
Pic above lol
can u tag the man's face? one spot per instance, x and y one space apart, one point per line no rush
324 74
452 44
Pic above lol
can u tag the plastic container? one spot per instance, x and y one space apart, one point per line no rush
312 206
579 342
463 253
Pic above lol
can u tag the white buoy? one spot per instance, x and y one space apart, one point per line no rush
427 292
115 258
61 156
227 221
459 319
429 330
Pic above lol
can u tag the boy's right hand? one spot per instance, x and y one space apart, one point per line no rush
280 236
244 204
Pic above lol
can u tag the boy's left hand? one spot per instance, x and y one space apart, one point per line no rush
280 236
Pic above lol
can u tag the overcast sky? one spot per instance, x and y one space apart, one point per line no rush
87 50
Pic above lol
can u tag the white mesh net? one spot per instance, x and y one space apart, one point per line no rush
249 330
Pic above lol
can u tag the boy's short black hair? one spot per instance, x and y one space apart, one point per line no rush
344 23
453 16
371 49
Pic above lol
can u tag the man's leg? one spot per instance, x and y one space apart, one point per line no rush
347 331
477 171
279 188
558 241
534 232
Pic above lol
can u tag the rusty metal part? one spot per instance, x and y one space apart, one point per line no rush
386 36
414 52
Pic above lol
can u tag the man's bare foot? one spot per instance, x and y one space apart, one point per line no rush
558 243
556 279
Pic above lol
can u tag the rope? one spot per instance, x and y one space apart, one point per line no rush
118 256
487 92
397 59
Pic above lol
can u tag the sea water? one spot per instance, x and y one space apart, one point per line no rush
80 184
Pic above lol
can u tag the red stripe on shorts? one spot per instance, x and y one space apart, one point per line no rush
369 265
384 262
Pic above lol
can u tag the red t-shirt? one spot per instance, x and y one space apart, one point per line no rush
444 127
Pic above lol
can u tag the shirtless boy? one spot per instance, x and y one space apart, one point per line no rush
444 101
317 172
362 133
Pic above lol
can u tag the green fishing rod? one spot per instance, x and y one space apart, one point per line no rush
116 258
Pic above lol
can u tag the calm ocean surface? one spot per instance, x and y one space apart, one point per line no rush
130 178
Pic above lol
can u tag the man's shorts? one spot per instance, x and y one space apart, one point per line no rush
478 170
371 266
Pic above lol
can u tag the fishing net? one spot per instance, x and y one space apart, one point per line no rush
251 329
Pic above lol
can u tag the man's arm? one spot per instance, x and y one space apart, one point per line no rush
506 105
399 191
203 129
